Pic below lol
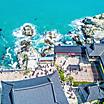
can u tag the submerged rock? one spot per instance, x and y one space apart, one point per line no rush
0 29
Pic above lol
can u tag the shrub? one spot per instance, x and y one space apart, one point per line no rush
61 74
80 83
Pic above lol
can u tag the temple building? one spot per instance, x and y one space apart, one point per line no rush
41 90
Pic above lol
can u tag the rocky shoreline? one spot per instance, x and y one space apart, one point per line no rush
85 31
89 28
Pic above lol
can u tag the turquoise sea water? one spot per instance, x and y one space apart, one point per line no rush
46 14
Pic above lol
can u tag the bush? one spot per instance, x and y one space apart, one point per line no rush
27 71
69 79
61 74
80 83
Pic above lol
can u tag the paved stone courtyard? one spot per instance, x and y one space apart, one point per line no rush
80 70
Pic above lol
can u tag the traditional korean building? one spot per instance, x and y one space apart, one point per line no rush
67 50
96 54
41 90
91 92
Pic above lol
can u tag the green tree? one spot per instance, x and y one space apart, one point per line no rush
69 79
61 74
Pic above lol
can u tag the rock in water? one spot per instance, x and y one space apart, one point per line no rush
27 30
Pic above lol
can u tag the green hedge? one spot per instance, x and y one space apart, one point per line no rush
61 74
80 83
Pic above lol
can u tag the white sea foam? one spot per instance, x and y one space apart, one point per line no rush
14 65
18 32
20 37
77 23
9 54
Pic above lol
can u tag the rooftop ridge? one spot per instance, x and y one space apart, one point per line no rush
45 84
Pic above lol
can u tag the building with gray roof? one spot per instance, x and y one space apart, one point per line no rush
96 51
96 54
91 92
41 90
102 40
102 59
72 50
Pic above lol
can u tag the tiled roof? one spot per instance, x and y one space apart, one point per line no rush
42 90
91 92
67 49
102 40
98 50
102 58
37 94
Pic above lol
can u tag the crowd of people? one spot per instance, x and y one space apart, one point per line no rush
42 70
